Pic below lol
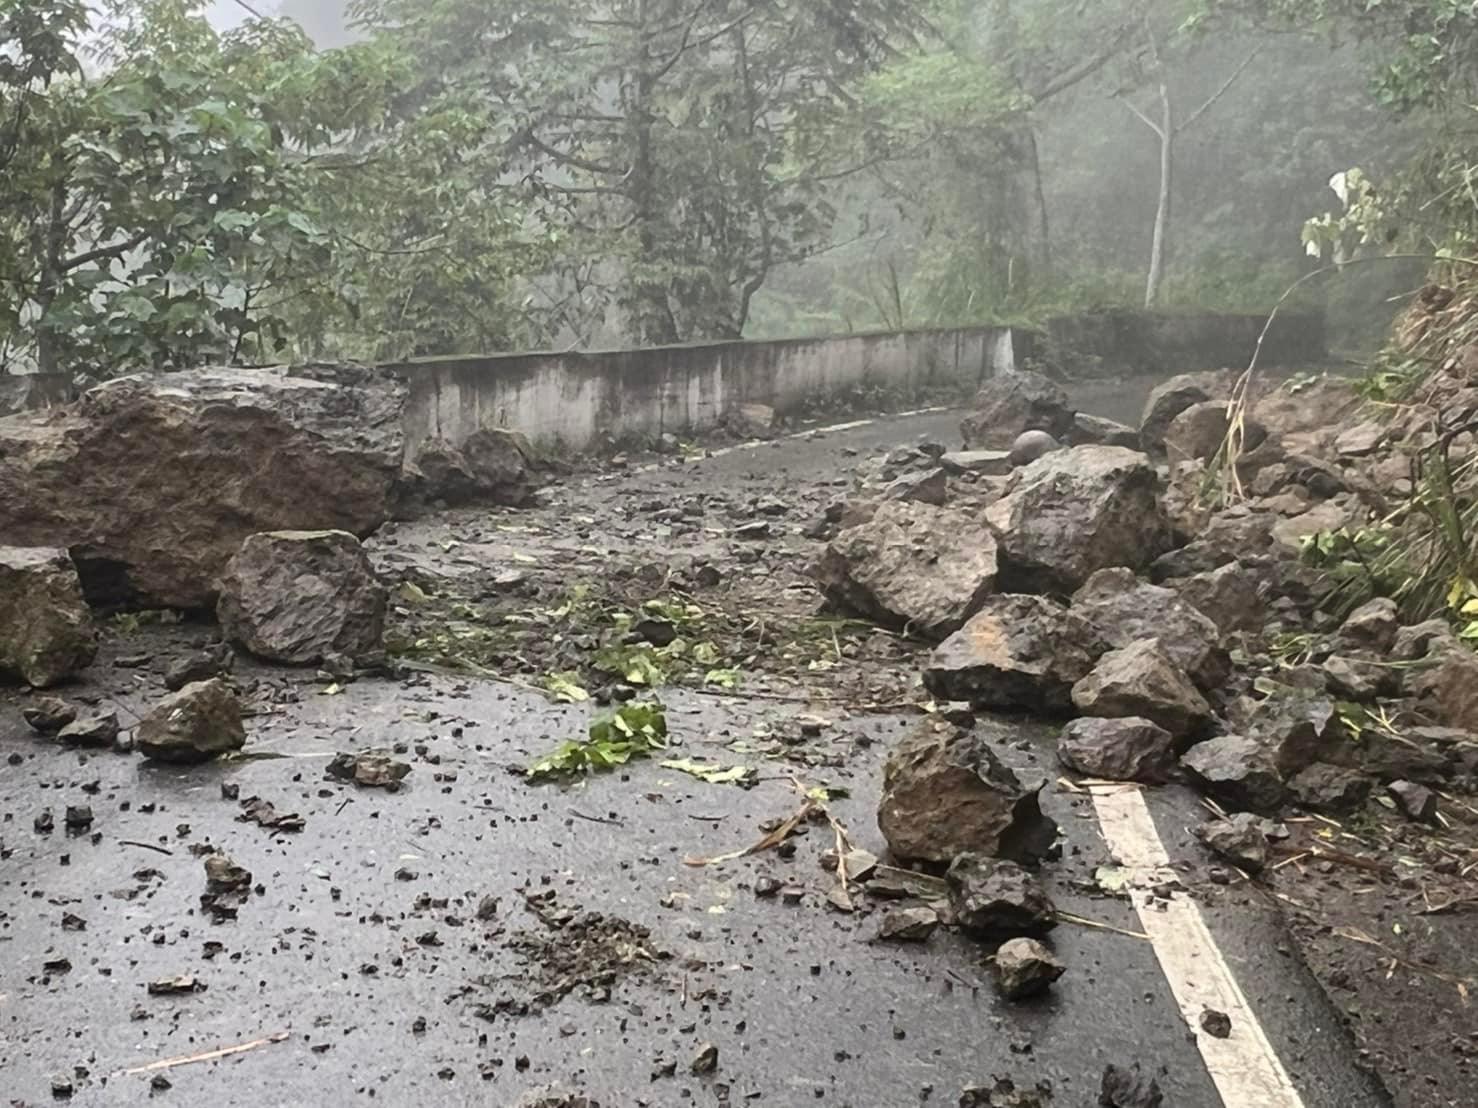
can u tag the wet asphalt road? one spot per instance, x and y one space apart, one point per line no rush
346 946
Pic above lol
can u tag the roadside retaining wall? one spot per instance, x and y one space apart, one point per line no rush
574 398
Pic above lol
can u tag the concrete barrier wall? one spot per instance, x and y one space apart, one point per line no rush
574 398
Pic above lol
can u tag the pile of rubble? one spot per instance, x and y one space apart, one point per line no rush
240 492
1067 567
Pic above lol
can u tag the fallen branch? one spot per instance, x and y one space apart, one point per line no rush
207 1056
146 846
1084 921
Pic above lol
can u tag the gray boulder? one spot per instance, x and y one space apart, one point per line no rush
1240 838
1092 430
1031 445
1017 652
912 566
1075 512
298 596
46 628
1334 790
1238 771
1230 596
1011 403
997 900
945 793
1372 626
1176 395
1125 609
490 466
1141 681
195 724
1127 749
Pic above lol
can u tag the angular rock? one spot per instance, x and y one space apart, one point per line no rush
1238 771
913 567
1300 729
945 793
908 925
1230 596
298 596
47 715
1017 652
1140 680
1125 609
193 725
986 463
1328 516
1118 749
216 660
1092 430
1240 839
370 769
1448 686
153 482
227 886
1129 1088
1197 434
1373 626
1024 968
928 487
1077 511
1414 643
489 466
751 421
1003 1093
998 900
1333 790
1416 802
1236 534
1358 679
1176 395
1011 403
97 730
46 628
1360 440
1297 409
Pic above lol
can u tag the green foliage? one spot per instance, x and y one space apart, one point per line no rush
615 738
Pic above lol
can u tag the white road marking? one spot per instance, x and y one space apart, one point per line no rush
1244 1066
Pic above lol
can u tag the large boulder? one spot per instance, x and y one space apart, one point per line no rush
1447 685
912 566
1303 407
1230 596
1197 434
945 793
491 466
1011 403
299 596
1140 681
1075 512
1238 771
1125 609
46 628
193 725
1016 653
1168 400
152 482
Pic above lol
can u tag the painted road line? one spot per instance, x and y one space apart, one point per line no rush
1244 1065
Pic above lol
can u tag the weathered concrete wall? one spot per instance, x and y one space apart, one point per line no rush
574 398
1122 342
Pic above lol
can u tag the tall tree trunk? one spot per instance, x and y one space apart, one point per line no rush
50 277
1160 244
1044 226
651 321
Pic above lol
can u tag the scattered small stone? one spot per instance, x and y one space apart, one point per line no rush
44 822
79 817
48 714
1240 839
1129 1088
160 1084
226 886
62 1087
95 730
1416 802
216 660
73 922
1216 1024
176 986
1003 1093
705 1061
256 810
908 925
766 887
1025 967
487 908
195 724
370 769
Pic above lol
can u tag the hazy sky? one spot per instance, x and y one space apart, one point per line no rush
323 19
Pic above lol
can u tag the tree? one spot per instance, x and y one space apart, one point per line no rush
679 150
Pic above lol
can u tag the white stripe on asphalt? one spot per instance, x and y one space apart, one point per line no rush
1244 1065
